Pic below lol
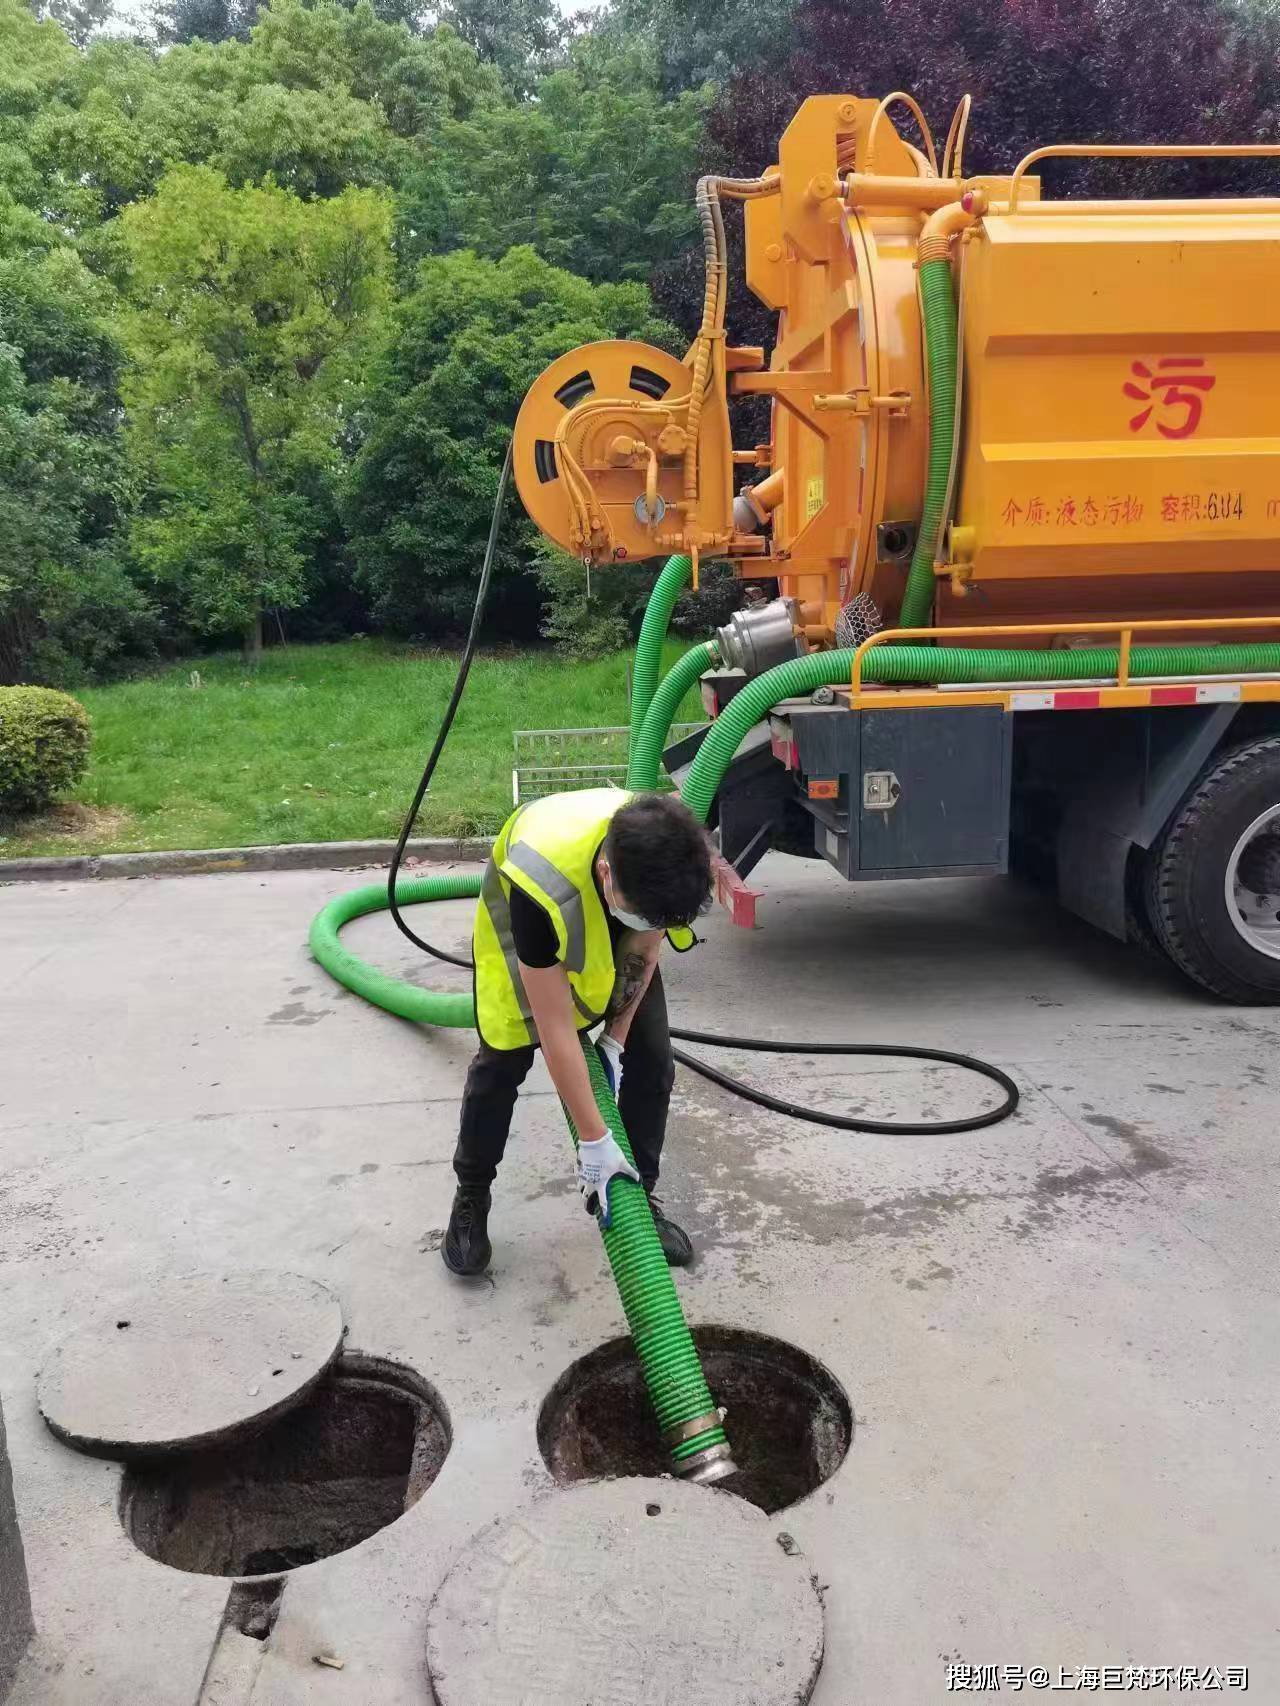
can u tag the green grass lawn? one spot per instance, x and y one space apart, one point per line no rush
324 743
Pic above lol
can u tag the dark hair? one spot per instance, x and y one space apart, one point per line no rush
660 859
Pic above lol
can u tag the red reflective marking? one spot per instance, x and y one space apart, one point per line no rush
1077 701
1173 696
732 892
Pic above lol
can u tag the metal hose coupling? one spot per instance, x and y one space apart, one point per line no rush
707 1464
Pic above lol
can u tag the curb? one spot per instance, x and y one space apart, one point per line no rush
293 856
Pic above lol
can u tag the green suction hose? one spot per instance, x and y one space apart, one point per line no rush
895 665
653 632
687 1416
938 311
647 743
934 664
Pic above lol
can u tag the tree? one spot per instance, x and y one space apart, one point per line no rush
522 39
67 603
320 98
249 312
205 20
458 355
695 42
605 166
79 18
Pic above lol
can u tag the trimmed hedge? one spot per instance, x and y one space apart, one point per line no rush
44 746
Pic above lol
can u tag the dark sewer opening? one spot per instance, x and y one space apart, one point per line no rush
355 1455
789 1420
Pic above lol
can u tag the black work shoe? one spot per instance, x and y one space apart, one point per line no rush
466 1249
677 1246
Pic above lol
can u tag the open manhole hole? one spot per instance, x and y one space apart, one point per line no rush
354 1456
789 1420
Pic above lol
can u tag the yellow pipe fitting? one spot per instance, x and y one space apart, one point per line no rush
941 226
765 497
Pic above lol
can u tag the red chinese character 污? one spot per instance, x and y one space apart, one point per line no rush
1169 507
1111 514
1177 382
1011 512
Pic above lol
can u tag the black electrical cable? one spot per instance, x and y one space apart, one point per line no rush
764 1045
843 1122
464 670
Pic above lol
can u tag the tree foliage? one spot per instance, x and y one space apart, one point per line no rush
250 308
521 39
598 175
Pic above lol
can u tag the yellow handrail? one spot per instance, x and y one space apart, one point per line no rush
1139 151
1126 630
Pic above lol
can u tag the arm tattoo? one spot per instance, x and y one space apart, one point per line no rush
629 982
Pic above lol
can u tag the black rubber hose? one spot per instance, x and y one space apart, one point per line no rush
843 1122
459 686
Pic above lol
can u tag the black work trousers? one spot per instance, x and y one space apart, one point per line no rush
495 1076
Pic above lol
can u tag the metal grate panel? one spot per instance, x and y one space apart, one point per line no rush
556 761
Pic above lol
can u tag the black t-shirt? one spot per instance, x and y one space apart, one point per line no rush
534 934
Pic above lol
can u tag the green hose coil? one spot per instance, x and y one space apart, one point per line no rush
646 746
653 631
938 312
455 1011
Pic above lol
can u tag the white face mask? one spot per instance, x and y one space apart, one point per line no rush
632 920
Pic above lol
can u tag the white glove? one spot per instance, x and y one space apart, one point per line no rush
599 1162
610 1051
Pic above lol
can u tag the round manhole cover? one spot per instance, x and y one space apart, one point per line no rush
194 1363
628 1592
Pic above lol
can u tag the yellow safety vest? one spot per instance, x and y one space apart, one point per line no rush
548 848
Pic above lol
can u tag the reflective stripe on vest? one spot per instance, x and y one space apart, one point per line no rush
548 848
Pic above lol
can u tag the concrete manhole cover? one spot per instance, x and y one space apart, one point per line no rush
194 1363
638 1592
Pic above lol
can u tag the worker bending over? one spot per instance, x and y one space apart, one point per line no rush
577 895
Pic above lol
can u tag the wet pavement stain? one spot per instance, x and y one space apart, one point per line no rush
1148 1157
721 1153
294 1013
561 1296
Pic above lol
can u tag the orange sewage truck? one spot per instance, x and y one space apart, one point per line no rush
1022 477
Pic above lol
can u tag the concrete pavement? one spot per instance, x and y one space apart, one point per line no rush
1059 1336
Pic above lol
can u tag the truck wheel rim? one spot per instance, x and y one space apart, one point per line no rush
1255 910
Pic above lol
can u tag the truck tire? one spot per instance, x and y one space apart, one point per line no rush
1213 877
1139 931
